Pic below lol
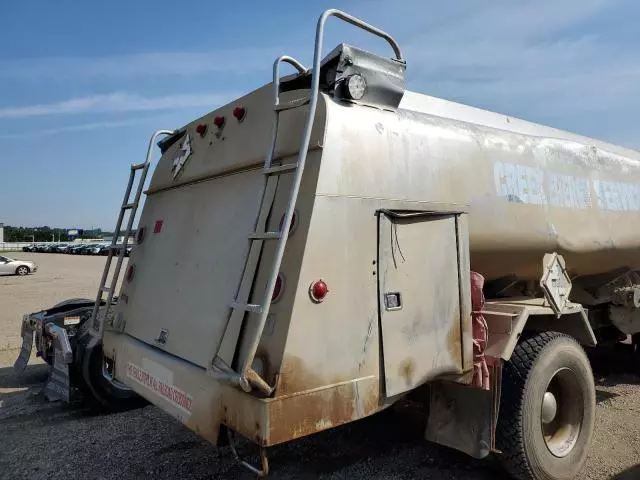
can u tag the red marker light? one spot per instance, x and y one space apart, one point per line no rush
201 129
318 291
218 121
239 112
279 288
131 271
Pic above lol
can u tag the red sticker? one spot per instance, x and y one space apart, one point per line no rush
158 226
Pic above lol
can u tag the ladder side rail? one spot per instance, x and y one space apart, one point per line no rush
134 209
97 325
302 157
107 265
267 196
276 100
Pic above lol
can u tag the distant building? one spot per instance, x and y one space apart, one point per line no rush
1 232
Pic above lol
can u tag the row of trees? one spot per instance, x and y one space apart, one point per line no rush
47 234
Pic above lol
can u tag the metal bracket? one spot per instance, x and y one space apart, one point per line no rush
555 282
114 322
58 386
263 458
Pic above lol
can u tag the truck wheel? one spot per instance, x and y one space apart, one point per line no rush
547 409
99 392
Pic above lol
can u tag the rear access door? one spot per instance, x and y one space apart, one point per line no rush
424 302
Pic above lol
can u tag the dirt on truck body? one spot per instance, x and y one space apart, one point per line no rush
389 243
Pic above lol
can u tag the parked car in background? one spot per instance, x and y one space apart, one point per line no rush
10 266
31 247
97 249
59 248
75 249
87 249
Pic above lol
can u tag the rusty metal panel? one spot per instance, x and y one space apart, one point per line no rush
419 300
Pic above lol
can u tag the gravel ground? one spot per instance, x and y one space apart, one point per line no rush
42 440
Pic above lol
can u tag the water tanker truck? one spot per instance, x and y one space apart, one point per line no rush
387 243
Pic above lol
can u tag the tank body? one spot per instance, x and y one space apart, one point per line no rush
530 189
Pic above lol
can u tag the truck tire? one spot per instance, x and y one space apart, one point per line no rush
547 409
98 392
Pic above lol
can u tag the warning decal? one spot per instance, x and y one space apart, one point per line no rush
170 393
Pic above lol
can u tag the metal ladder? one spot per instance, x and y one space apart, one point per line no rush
127 205
245 376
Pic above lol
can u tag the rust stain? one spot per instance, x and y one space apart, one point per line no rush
294 377
205 419
300 415
454 340
406 370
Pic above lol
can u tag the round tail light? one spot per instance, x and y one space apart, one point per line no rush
239 112
218 121
131 271
294 222
318 290
278 289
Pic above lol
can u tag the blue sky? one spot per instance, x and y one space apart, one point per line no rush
84 84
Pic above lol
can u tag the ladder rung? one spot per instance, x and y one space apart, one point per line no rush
116 247
264 235
251 307
292 104
289 167
106 289
138 166
128 205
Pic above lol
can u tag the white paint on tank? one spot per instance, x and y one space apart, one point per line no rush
524 184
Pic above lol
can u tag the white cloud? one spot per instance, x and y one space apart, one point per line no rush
117 102
547 61
142 64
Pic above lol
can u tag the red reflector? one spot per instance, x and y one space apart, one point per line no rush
157 228
131 271
201 129
218 121
277 291
140 235
239 112
318 291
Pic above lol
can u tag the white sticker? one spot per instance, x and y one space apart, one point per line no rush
173 395
71 320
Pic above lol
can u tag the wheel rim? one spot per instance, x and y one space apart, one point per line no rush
562 412
22 271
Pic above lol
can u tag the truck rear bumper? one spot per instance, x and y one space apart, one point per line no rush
202 403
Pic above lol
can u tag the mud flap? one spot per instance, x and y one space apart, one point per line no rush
25 352
58 386
465 417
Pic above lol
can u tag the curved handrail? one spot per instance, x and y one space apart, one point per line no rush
333 12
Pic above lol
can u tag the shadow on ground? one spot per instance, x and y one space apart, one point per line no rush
632 473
